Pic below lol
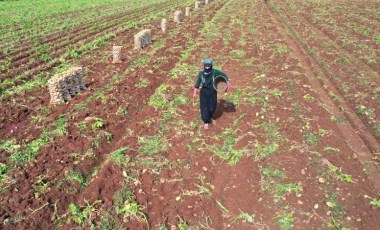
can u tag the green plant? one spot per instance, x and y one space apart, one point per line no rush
98 124
83 215
82 126
119 157
311 139
142 83
337 119
75 176
376 129
363 110
109 221
158 99
337 211
222 207
329 149
32 148
273 172
40 186
237 53
236 96
204 188
3 175
308 97
338 174
126 205
282 189
151 145
163 227
264 151
122 111
245 217
376 38
96 141
9 146
375 202
78 156
285 221
60 126
280 49
182 225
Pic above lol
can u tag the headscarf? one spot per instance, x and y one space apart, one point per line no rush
207 62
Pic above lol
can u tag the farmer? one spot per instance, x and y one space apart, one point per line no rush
208 94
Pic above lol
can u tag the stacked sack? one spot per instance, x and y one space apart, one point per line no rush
65 85
142 39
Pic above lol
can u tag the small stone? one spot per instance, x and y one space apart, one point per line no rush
328 213
330 204
162 180
299 202
204 169
316 206
358 220
303 171
348 218
178 198
321 180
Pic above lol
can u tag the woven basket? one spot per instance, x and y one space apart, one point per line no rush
220 84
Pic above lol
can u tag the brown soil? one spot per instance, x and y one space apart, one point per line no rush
284 100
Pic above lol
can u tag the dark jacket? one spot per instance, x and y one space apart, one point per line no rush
207 79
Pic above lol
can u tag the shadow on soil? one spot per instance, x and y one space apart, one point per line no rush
224 106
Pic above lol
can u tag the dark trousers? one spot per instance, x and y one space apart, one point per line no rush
208 99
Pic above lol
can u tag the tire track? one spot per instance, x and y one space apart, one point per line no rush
340 49
342 75
355 132
326 32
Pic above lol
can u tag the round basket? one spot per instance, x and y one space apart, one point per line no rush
220 84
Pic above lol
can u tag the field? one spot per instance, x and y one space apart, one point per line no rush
295 143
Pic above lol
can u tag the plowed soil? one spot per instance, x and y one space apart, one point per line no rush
286 149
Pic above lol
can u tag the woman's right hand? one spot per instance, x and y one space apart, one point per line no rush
195 92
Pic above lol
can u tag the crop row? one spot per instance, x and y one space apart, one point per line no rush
44 19
102 124
41 50
72 46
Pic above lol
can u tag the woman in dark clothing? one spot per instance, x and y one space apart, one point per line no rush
208 94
